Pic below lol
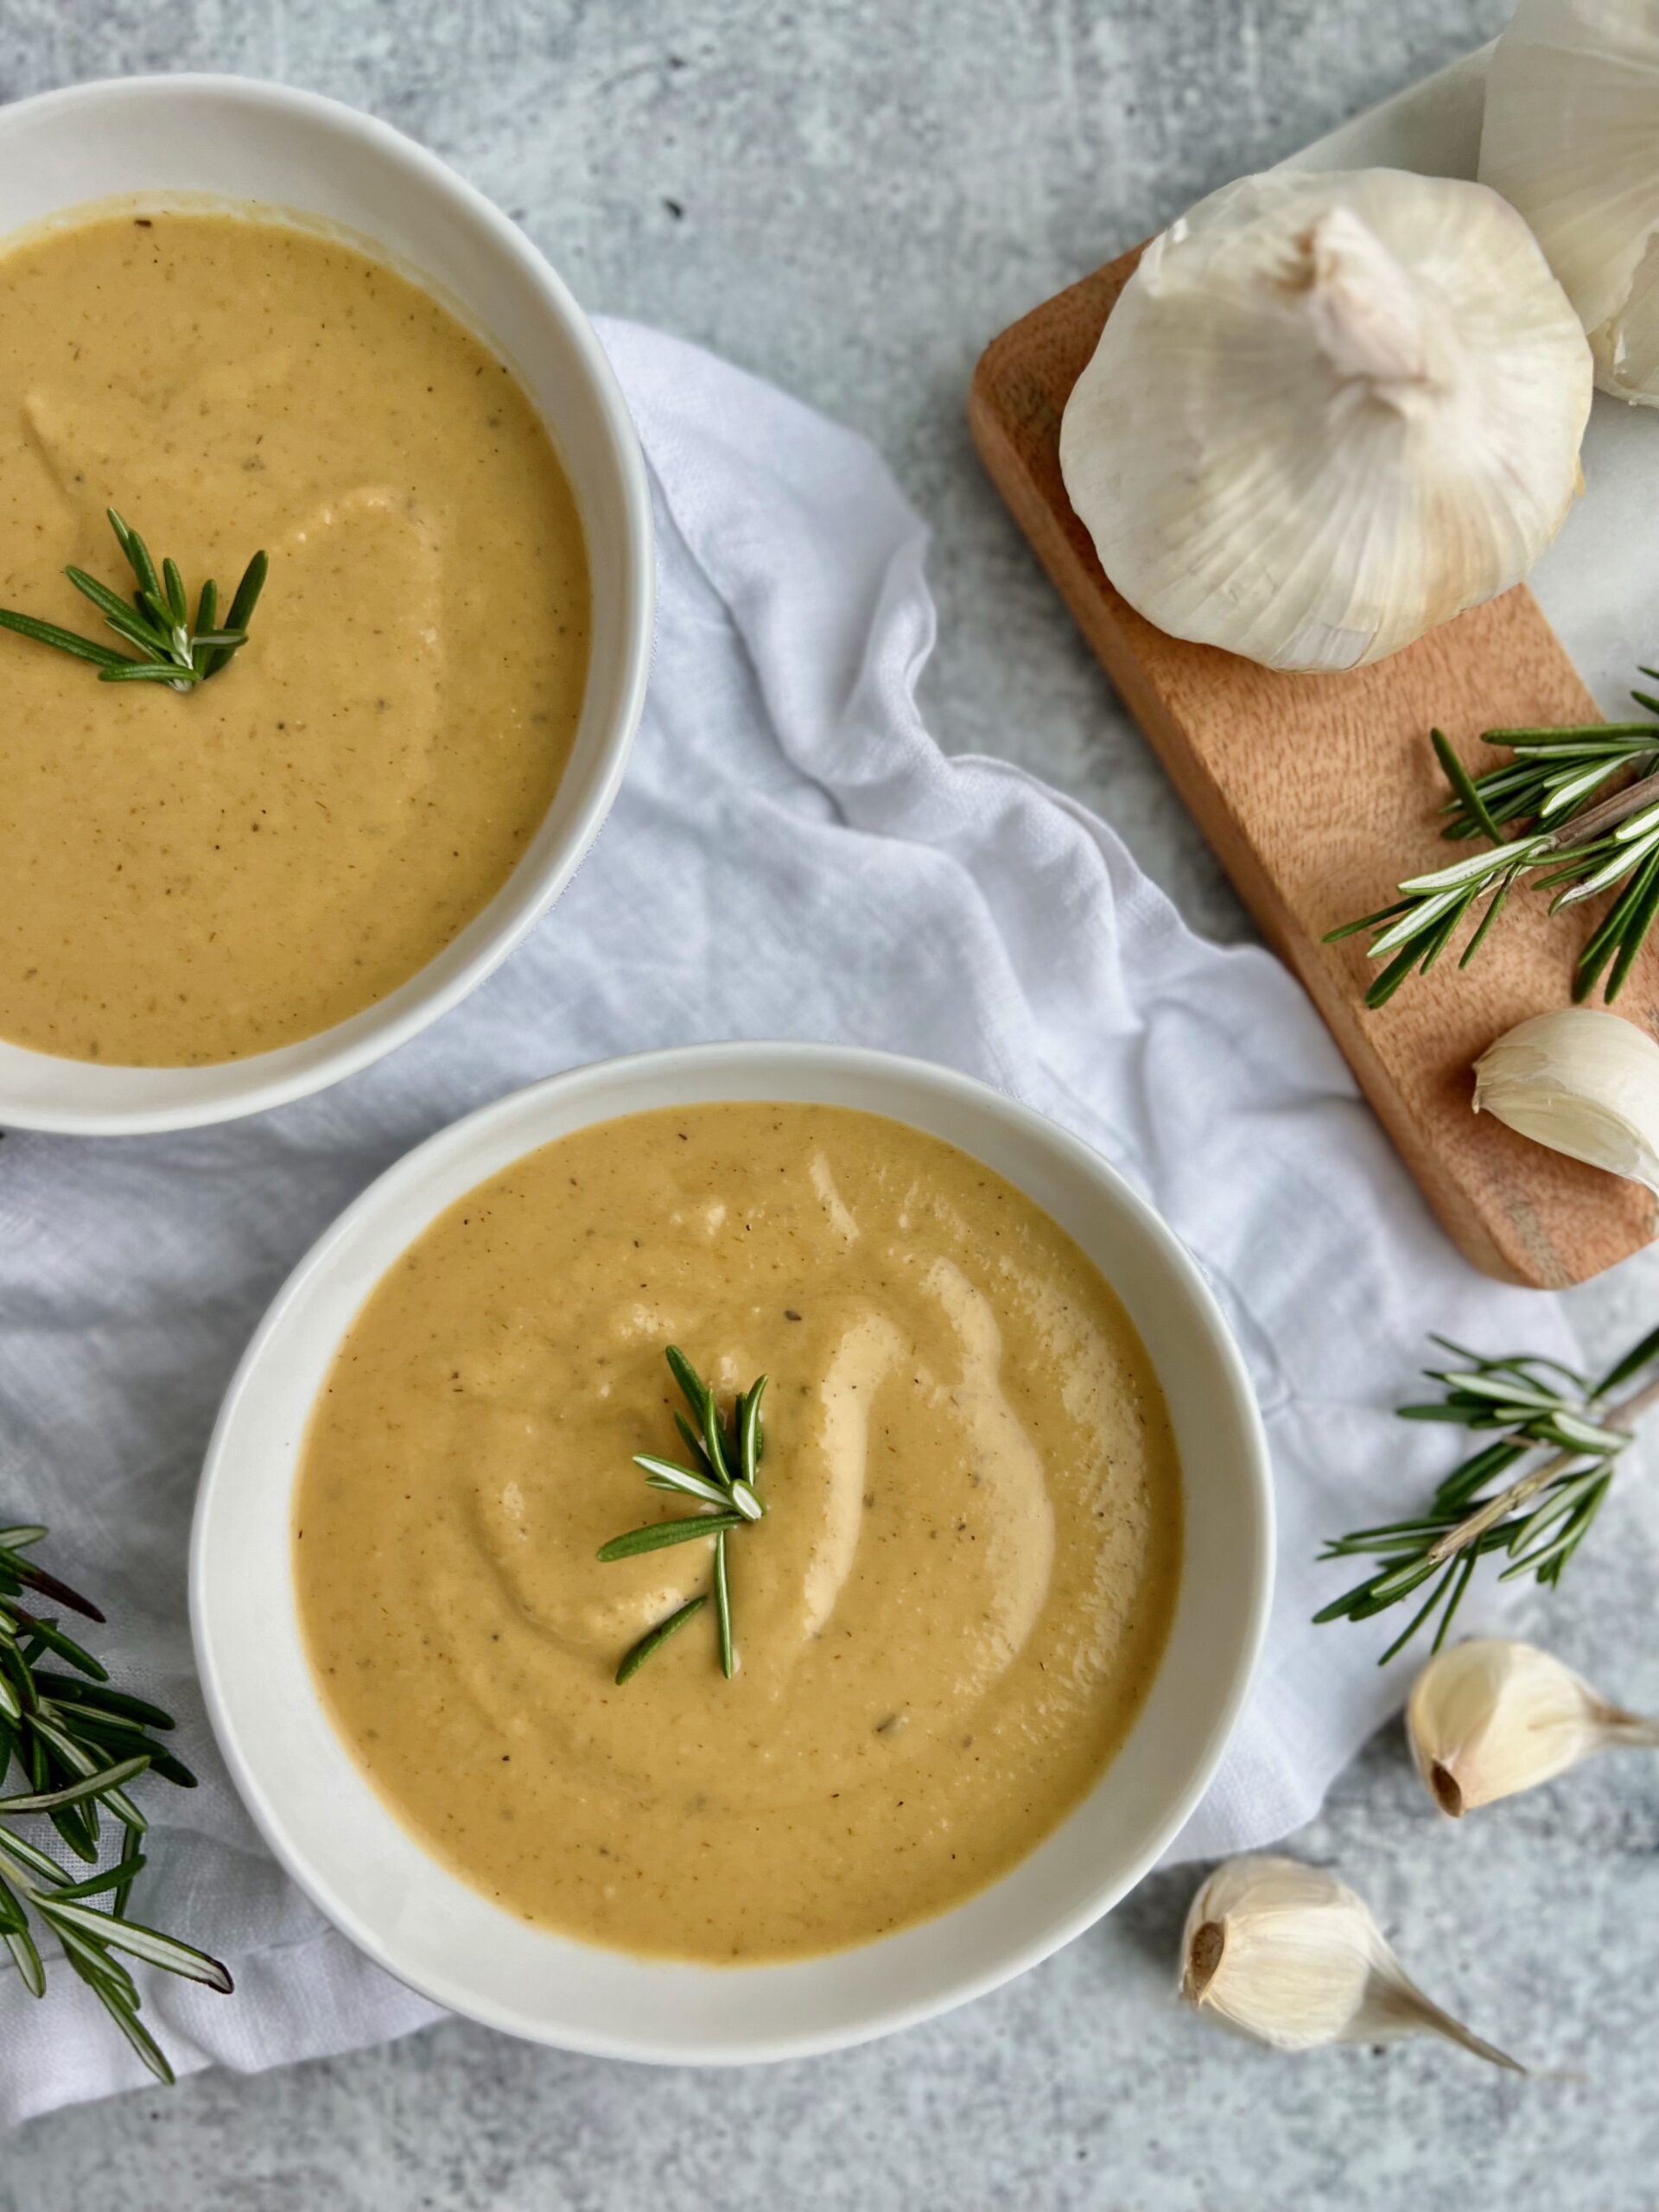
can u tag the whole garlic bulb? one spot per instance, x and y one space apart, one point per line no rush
1489 1718
1328 412
1570 139
1290 1956
1582 1081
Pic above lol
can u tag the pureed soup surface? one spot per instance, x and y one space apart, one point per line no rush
192 877
946 1623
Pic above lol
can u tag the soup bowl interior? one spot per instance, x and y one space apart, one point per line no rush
186 138
377 1883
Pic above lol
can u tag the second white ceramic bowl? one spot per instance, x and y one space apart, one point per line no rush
372 1877
158 136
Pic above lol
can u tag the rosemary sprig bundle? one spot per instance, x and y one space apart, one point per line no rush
726 1460
156 621
78 1745
1576 845
1538 1519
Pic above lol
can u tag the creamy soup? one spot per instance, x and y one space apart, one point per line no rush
194 877
944 1624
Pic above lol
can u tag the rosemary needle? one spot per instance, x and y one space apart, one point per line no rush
156 621
660 1534
727 1460
723 1608
655 1638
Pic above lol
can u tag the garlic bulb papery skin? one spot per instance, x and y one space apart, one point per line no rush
1489 1718
1290 1955
1328 412
1582 1081
1569 138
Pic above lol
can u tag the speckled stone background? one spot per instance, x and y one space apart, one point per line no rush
851 197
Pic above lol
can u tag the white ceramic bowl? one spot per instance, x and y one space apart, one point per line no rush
376 1883
162 135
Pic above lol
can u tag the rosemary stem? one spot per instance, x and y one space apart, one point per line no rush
1607 814
1623 1415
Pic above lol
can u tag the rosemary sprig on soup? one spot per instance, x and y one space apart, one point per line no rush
156 619
727 1463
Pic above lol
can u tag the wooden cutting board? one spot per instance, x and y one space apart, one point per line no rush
1318 793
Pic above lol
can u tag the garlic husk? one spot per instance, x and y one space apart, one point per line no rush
1290 1955
1569 138
1489 1718
1582 1081
1328 412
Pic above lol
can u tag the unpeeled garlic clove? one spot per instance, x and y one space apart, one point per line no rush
1571 119
1582 1081
1327 412
1488 1718
1289 1954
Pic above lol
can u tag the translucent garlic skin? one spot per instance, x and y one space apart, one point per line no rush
1582 1081
1327 413
1571 126
1491 1718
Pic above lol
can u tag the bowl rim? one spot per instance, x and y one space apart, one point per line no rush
463 1137
400 152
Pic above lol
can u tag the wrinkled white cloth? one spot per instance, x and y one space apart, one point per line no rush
792 856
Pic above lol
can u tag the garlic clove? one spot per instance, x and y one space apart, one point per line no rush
1583 1081
1489 1718
1328 412
1290 1955
1571 120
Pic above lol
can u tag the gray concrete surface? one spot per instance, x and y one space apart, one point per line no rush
851 198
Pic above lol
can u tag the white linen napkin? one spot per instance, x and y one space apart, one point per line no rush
792 856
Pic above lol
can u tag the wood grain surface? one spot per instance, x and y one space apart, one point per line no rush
1318 793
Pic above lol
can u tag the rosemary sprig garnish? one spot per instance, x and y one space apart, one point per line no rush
1538 1519
156 621
78 1745
1583 845
726 1462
